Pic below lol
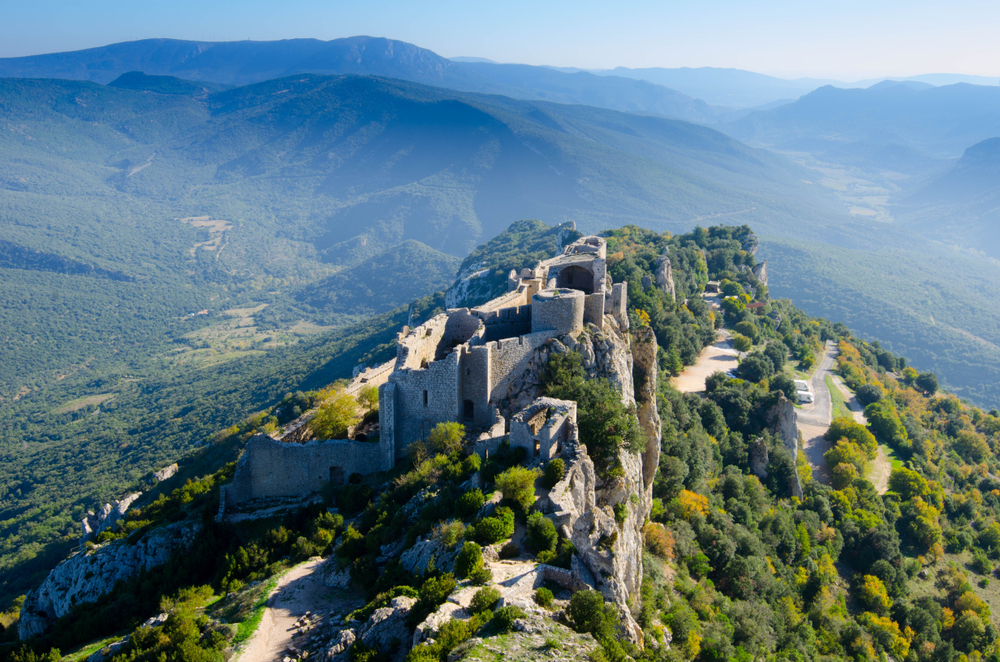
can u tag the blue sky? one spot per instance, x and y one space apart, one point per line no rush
848 39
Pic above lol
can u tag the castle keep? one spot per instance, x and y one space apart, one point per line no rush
475 366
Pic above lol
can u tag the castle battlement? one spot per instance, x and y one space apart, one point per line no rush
462 365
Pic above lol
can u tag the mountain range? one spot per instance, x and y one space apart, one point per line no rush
241 63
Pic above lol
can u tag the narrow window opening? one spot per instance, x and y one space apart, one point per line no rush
425 398
538 448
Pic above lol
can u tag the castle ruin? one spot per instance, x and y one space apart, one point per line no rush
473 366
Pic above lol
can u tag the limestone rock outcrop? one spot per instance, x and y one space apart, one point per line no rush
760 272
94 524
386 629
86 576
665 276
783 423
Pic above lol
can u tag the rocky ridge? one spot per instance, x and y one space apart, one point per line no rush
87 575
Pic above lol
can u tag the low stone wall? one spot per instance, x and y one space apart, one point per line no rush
271 469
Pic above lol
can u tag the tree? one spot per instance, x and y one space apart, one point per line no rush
868 393
446 437
872 594
368 398
907 483
748 329
756 367
971 446
927 381
742 343
517 485
778 354
843 427
337 413
785 384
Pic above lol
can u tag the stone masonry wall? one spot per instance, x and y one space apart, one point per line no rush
270 469
424 398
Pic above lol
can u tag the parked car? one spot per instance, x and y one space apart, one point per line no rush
805 397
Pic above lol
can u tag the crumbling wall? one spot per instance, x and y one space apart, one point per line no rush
423 398
272 469
505 322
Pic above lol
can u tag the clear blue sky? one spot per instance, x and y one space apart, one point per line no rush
848 39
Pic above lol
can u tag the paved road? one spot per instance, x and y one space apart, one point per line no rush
814 419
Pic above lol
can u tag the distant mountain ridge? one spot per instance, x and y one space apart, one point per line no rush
246 62
938 121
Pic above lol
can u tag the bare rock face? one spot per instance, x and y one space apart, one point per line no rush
92 524
609 551
644 372
783 422
759 458
665 276
416 558
386 629
165 473
760 272
85 577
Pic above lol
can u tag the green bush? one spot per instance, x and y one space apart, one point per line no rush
586 611
542 536
504 617
470 502
490 530
544 597
481 575
469 559
554 472
517 485
484 599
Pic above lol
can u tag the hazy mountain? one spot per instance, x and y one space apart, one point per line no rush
137 80
243 62
939 122
197 199
963 205
735 88
390 279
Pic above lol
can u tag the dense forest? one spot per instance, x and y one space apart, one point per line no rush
736 566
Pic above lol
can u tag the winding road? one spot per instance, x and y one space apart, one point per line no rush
814 418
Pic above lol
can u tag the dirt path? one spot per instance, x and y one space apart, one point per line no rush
718 357
300 590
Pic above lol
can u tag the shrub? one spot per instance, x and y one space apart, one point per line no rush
510 550
544 597
450 532
338 412
554 472
586 611
658 540
446 437
504 617
469 559
470 502
484 599
542 536
621 512
481 575
517 485
492 530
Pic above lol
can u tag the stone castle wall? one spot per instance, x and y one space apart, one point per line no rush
424 398
271 469
506 322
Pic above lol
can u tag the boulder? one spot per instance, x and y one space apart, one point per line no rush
386 630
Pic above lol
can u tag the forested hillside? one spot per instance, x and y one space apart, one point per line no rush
736 567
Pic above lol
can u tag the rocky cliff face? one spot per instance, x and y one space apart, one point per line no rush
783 422
610 552
86 576
665 276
